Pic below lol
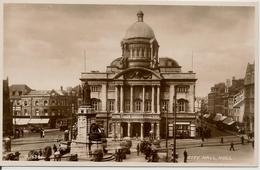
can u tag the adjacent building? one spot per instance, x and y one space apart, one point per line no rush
137 92
45 108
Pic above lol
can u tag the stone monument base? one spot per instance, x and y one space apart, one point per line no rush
82 148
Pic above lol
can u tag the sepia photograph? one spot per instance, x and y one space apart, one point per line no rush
129 84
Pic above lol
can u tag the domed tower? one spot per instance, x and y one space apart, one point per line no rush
139 46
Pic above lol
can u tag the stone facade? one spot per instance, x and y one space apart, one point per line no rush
137 91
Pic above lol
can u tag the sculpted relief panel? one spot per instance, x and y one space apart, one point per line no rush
138 74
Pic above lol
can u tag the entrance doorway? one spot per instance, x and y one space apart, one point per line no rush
147 129
135 130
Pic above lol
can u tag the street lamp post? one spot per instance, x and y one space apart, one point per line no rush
166 138
174 127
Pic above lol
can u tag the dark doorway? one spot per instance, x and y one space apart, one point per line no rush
147 129
124 127
163 128
135 130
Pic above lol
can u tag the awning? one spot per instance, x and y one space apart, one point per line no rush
217 117
20 121
223 118
228 121
206 116
39 121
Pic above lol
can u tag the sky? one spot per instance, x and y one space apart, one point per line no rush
44 43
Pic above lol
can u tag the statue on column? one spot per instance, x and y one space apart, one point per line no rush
86 94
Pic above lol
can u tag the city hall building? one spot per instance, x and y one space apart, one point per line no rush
138 90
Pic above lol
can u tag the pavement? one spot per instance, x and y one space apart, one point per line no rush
212 151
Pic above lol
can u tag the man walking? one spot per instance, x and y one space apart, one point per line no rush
242 140
185 156
232 146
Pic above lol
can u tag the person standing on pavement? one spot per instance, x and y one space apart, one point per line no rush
242 140
41 132
138 149
185 155
232 146
222 140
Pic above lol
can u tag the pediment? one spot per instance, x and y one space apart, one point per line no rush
137 74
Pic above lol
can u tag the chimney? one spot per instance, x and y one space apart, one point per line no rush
61 88
233 78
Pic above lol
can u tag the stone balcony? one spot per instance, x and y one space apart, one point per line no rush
136 116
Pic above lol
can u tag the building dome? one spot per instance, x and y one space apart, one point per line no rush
139 29
168 62
116 62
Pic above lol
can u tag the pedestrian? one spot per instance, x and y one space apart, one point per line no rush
202 138
242 140
138 149
43 133
232 146
185 155
222 140
253 143
22 132
54 148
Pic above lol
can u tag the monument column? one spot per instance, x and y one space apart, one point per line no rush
114 130
128 129
116 99
158 131
152 99
119 130
142 131
121 99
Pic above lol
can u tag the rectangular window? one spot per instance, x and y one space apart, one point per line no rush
138 106
95 105
111 87
165 105
111 105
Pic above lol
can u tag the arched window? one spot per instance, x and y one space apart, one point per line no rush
25 103
45 103
36 103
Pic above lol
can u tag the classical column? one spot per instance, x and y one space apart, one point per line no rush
119 130
131 99
116 99
114 130
152 127
128 129
171 98
158 99
143 98
121 99
158 131
152 99
142 131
